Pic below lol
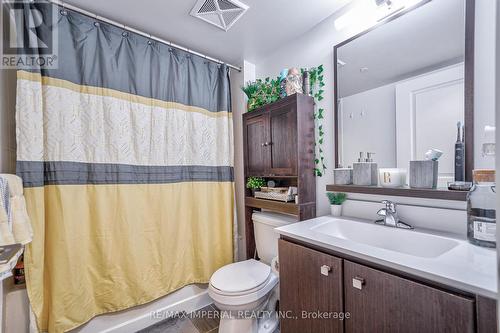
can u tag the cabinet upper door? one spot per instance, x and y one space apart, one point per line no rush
381 302
310 284
256 145
283 140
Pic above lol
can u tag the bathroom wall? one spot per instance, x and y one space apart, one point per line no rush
7 121
238 100
497 108
316 47
484 93
7 165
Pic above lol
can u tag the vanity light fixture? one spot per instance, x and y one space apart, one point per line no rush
366 13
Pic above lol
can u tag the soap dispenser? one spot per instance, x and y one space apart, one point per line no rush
365 170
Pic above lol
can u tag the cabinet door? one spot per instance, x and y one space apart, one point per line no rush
283 140
305 292
381 302
257 152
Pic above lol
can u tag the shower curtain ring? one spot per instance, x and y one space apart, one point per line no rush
63 11
96 22
125 32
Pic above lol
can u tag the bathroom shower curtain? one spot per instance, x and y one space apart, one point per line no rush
125 151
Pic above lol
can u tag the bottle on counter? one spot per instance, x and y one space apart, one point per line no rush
481 213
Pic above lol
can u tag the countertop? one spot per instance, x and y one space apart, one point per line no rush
466 267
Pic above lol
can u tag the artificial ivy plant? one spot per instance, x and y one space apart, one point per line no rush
317 83
262 92
266 91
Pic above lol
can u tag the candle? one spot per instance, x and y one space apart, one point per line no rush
392 177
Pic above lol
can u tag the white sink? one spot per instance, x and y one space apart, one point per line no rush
410 242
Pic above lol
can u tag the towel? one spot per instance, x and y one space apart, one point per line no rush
6 236
5 198
22 231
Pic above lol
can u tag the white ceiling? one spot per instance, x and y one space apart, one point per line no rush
266 25
429 37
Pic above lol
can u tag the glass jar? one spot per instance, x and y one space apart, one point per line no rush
481 213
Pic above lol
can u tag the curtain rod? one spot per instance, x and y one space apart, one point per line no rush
124 26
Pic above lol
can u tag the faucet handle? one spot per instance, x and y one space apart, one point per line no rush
389 206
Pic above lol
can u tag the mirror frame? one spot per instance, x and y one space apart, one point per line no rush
468 82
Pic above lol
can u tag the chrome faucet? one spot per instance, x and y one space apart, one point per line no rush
390 216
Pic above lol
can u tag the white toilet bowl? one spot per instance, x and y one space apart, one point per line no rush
247 292
242 291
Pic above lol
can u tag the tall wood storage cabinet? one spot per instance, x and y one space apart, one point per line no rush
278 143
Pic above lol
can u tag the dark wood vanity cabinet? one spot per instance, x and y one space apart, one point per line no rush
307 291
370 299
382 302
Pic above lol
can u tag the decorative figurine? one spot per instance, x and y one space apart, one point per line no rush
293 82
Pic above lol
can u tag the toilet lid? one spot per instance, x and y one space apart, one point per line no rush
240 276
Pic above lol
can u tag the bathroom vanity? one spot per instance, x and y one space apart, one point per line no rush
382 279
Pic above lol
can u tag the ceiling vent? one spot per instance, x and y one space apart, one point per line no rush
221 13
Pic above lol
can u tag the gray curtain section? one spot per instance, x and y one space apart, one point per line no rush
72 173
94 53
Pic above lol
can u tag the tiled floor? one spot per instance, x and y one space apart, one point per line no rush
202 321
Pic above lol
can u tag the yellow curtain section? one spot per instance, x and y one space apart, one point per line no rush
172 234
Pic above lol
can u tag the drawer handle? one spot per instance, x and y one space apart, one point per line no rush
325 270
358 282
264 144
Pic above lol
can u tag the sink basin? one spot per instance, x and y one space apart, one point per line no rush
410 242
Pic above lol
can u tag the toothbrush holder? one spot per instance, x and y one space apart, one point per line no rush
424 174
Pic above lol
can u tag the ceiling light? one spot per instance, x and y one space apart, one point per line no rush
367 13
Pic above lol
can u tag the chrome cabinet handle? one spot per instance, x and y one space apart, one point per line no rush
358 282
264 144
325 270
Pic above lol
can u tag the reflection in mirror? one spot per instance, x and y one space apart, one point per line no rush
400 89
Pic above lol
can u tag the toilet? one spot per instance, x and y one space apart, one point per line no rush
247 292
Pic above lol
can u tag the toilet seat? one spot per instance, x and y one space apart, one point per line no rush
242 282
241 277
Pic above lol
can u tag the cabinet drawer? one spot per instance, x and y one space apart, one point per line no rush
381 302
310 283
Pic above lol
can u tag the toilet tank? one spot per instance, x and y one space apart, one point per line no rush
266 240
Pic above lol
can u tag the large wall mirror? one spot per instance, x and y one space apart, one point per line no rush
402 87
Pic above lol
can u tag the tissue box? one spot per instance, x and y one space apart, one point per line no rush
424 174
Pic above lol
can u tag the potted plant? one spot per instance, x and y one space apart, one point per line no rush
336 201
254 183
